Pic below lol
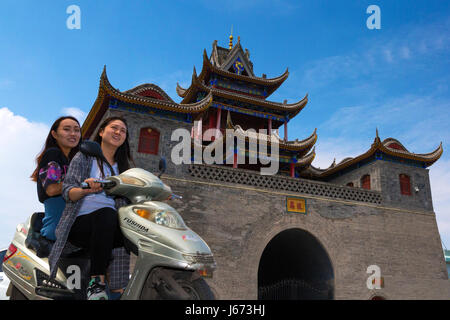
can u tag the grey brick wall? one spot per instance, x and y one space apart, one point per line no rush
384 177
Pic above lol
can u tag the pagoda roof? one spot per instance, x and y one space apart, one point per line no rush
303 162
291 109
210 67
389 146
295 145
148 95
223 57
306 160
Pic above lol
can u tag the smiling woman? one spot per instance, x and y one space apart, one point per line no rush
60 146
90 218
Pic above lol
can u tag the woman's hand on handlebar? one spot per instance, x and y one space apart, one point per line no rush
94 187
76 194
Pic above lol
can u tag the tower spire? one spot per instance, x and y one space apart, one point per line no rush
231 38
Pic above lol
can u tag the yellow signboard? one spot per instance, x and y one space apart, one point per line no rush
297 205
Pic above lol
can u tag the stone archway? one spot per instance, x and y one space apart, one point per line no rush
294 265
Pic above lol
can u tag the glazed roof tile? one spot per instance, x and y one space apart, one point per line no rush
131 96
291 108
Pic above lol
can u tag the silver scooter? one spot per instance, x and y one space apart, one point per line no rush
172 260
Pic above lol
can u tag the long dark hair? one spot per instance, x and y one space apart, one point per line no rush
50 142
122 155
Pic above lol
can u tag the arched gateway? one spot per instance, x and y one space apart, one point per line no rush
294 265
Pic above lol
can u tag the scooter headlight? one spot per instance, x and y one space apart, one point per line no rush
166 218
132 181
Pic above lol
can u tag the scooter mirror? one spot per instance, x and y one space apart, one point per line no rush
162 166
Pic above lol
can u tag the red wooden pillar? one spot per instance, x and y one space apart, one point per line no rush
211 121
269 130
292 170
218 117
235 159
199 134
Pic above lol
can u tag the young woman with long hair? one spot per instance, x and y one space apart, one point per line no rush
90 218
61 145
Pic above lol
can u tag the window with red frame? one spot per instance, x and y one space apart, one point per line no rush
350 184
148 141
365 182
405 185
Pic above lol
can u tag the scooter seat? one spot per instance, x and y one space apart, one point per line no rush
35 240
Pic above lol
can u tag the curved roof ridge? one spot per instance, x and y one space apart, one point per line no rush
143 87
263 81
388 141
307 159
295 107
152 102
297 145
426 158
214 54
436 153
181 91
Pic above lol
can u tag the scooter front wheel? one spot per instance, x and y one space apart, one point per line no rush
197 289
193 287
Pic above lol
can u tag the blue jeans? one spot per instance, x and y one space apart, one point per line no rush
53 210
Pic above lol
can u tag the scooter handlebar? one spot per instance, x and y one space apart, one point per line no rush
106 184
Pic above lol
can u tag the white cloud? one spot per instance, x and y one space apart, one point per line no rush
388 55
405 52
20 142
379 57
398 117
79 114
6 83
337 148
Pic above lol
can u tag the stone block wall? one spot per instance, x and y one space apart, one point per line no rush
384 177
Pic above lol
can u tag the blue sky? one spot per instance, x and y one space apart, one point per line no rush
394 79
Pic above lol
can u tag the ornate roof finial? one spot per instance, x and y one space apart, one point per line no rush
377 138
231 38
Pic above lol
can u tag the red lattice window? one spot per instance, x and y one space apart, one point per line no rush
148 141
151 94
405 185
396 146
365 182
